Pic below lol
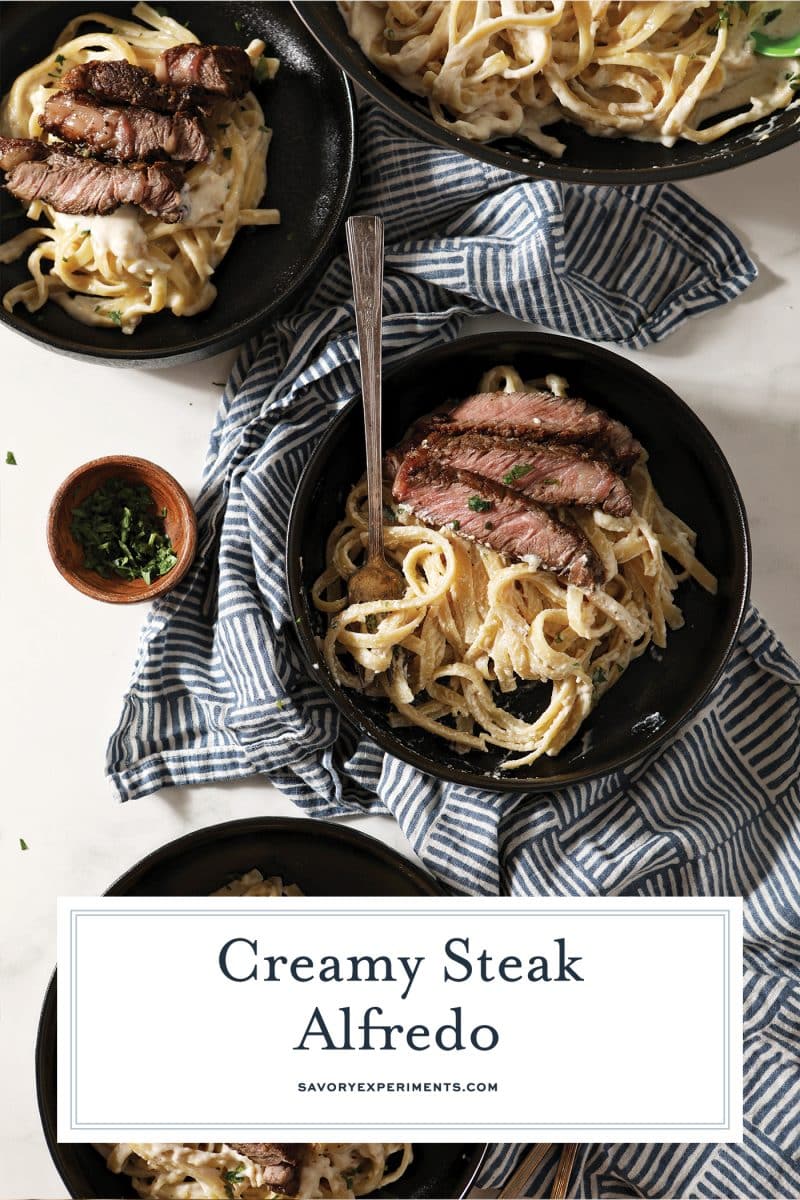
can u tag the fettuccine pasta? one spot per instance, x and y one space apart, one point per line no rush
656 72
474 624
113 270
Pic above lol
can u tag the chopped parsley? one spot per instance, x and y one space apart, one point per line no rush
227 151
348 1177
389 514
551 482
455 526
122 533
279 705
60 59
516 473
231 1178
10 459
116 316
371 622
599 676
23 845
262 71
769 17
478 504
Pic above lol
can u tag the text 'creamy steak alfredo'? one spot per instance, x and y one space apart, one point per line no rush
534 548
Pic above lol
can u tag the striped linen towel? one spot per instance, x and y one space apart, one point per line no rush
219 691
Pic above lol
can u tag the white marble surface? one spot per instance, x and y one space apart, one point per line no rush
65 659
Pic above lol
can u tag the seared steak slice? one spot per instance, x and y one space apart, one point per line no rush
71 184
125 134
223 70
120 82
546 417
281 1162
548 473
494 515
14 151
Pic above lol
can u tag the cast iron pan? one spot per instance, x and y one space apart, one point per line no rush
658 692
310 169
586 159
323 860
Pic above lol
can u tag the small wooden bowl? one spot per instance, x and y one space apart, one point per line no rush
180 523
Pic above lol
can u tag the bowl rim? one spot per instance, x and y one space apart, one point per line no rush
530 341
164 583
536 167
192 349
209 833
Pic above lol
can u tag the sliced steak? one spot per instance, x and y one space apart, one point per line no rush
222 70
486 512
281 1162
546 417
123 134
14 151
120 82
548 473
71 184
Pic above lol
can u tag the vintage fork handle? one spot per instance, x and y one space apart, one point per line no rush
516 1184
564 1171
365 250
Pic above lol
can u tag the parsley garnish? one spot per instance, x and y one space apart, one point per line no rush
227 151
122 533
389 514
23 845
262 71
10 459
769 17
371 622
516 473
232 1177
348 1177
550 482
60 59
478 504
599 676
455 526
279 705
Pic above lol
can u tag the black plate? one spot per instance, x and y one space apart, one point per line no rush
586 159
688 469
323 860
310 169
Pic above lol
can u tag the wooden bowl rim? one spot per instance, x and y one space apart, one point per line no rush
186 513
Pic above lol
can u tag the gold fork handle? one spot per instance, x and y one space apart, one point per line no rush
516 1184
564 1171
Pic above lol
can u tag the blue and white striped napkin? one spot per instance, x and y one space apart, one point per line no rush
220 692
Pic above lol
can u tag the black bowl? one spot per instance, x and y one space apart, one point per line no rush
323 860
311 174
586 159
694 480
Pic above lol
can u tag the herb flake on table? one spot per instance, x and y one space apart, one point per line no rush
122 533
10 459
23 845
